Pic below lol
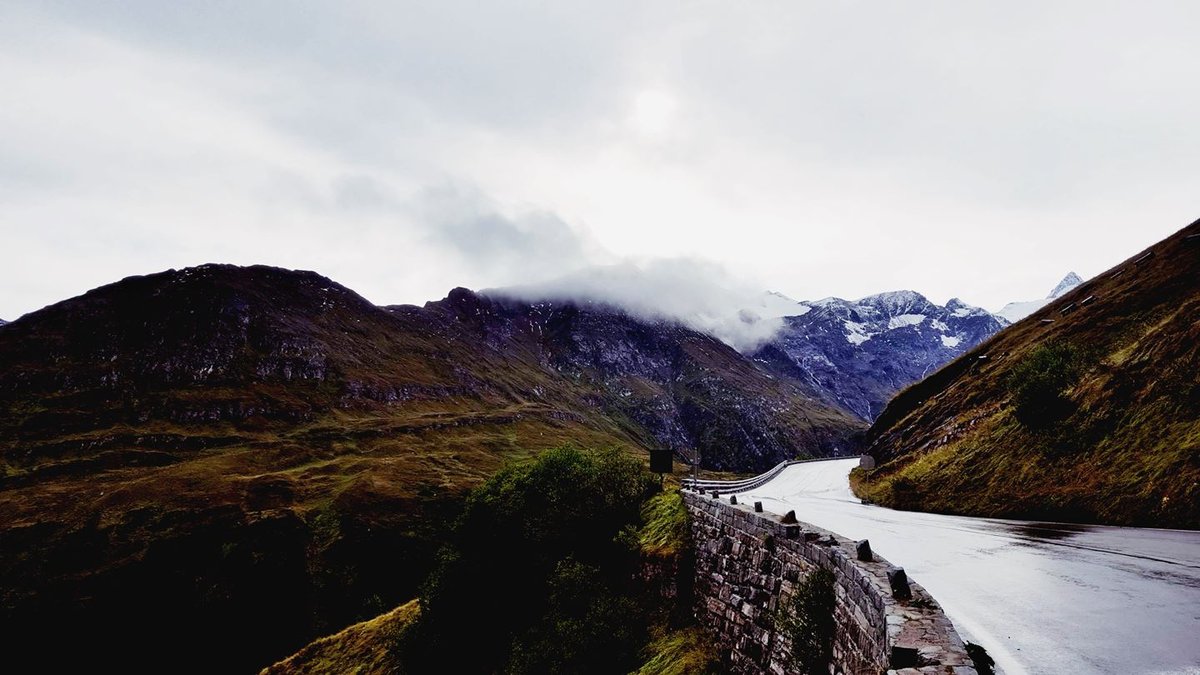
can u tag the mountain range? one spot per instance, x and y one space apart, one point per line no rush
254 455
857 354
251 456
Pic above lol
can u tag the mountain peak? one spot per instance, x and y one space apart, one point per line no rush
1068 282
897 302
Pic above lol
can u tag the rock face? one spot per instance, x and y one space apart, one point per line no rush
1015 311
679 388
857 354
251 457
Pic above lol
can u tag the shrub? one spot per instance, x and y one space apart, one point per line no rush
808 621
538 576
1038 384
665 532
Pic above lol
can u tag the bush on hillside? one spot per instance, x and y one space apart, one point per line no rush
538 576
1039 382
808 620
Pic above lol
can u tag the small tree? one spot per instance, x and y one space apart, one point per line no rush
808 621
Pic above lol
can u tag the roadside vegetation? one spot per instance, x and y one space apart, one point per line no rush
808 621
545 573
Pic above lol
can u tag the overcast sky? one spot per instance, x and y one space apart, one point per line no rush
970 149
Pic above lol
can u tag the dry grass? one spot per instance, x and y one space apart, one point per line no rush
365 648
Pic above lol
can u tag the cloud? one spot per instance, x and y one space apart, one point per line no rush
543 257
527 245
700 294
824 148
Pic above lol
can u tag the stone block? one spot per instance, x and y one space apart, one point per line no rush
862 549
903 657
898 580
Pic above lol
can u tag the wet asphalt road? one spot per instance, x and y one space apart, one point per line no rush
1048 598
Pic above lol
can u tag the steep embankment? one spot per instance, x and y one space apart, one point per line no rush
1087 410
251 457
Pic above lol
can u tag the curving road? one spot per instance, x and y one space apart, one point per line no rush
1049 598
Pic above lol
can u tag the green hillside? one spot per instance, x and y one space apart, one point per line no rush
1088 410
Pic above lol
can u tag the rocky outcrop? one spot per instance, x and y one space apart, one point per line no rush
748 566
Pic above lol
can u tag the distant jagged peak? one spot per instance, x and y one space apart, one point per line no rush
959 308
827 302
898 302
1015 311
1068 282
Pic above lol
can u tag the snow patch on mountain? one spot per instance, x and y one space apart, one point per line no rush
905 320
858 333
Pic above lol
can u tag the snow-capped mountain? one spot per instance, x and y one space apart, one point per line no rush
857 354
1015 311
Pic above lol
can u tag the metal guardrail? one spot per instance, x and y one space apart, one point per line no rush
735 486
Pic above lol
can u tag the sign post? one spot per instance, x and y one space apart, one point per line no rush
662 462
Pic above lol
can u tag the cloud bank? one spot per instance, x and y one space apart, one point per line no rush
697 293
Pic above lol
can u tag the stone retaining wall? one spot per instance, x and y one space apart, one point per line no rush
748 565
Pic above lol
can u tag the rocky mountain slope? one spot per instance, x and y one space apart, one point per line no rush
1015 311
250 457
857 354
1088 410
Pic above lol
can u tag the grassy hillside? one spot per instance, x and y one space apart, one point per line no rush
1088 410
254 457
